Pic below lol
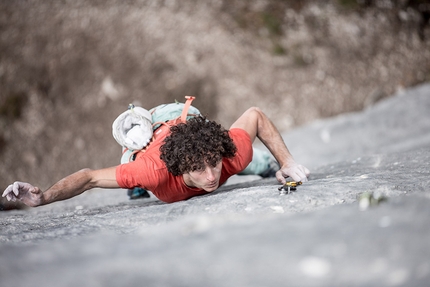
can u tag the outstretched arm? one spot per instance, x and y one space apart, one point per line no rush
66 188
257 124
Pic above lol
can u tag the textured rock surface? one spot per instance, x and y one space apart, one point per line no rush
246 234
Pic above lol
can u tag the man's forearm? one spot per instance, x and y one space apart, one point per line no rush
272 139
68 187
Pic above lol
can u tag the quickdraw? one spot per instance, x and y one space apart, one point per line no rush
289 187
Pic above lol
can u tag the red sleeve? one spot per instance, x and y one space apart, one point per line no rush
243 156
137 173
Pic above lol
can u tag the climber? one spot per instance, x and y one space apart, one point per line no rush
187 159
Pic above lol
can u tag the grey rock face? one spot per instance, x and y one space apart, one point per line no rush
362 220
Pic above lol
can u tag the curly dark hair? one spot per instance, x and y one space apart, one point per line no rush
194 143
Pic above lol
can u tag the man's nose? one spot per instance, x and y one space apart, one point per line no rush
210 175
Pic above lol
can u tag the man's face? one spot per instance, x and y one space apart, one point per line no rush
206 179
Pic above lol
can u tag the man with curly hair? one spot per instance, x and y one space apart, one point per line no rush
186 160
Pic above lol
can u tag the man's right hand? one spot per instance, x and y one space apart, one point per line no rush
25 192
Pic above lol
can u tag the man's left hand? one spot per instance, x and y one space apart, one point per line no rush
296 171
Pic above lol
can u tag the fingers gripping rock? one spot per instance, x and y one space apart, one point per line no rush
8 193
15 190
296 171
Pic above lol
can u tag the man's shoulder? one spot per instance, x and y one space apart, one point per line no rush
238 132
151 159
243 143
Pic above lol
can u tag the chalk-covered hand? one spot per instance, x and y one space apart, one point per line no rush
296 171
25 192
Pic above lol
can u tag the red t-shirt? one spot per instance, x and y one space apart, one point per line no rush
150 172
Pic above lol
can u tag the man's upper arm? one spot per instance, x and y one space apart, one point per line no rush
104 178
248 121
